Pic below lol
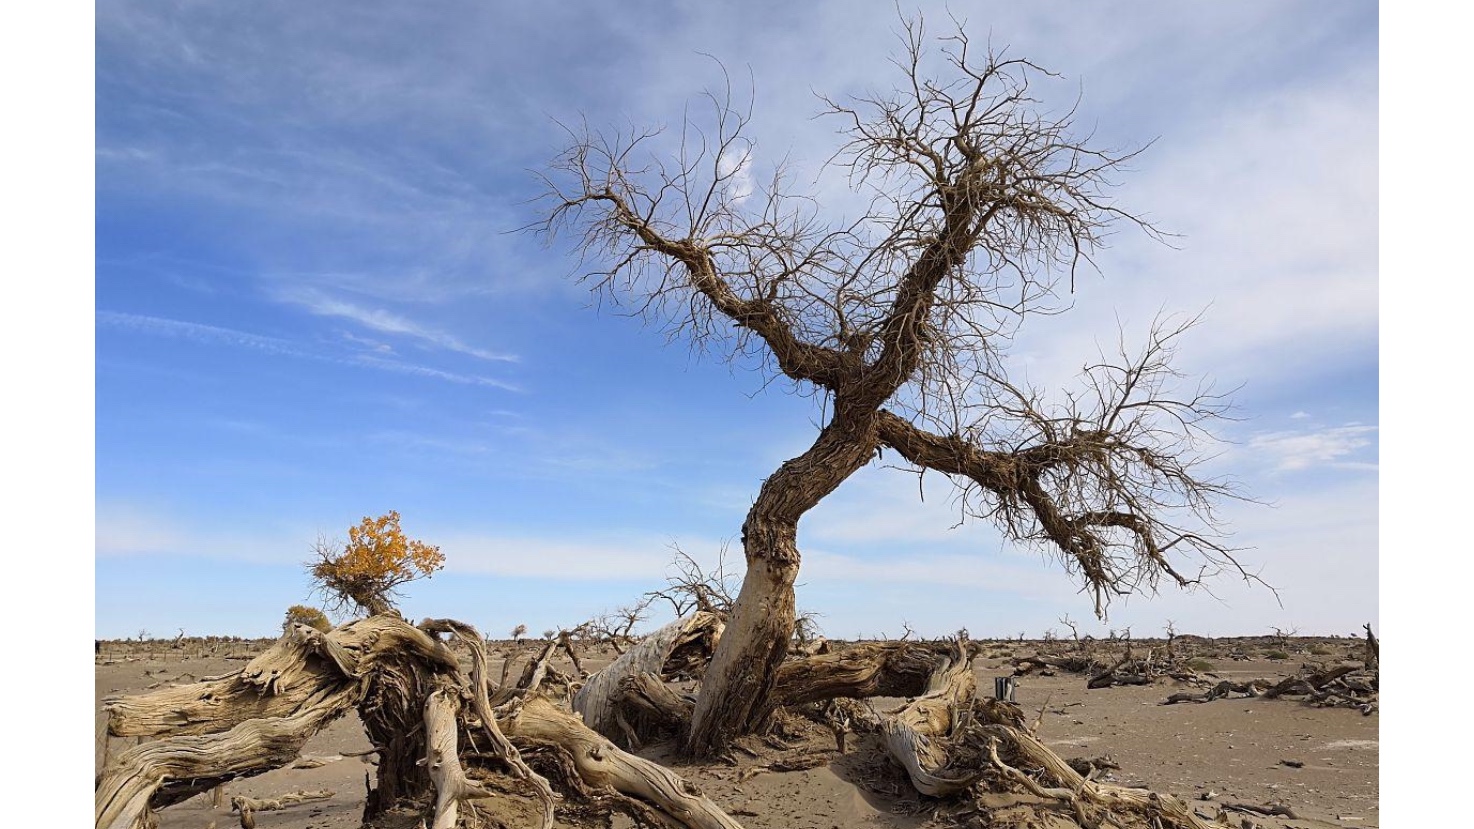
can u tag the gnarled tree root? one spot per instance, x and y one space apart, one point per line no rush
598 700
1082 793
917 735
947 741
602 764
383 665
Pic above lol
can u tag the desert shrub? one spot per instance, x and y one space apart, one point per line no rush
1276 655
1320 650
1202 666
378 558
304 615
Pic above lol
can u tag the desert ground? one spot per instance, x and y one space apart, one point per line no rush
1236 760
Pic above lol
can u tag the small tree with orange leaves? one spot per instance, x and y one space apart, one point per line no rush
304 615
377 559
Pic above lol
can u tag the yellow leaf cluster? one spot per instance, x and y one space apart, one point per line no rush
310 616
378 551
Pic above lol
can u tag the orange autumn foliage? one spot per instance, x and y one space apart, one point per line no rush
377 558
301 614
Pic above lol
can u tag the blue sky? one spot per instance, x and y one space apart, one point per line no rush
313 304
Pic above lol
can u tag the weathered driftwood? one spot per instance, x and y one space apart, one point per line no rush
501 748
916 736
1127 671
872 669
274 684
565 641
1344 686
247 723
1082 793
602 764
533 674
443 759
240 802
247 807
644 706
385 667
596 701
1220 691
845 716
1074 663
814 647
947 741
164 772
1307 684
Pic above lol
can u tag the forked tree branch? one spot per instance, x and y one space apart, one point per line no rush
980 200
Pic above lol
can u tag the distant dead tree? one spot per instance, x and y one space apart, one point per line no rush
806 629
978 205
1074 631
1282 637
617 627
690 587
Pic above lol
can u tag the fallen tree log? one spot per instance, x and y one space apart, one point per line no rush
384 667
1310 683
247 807
163 772
872 669
917 735
1081 793
602 764
665 653
1075 664
1340 687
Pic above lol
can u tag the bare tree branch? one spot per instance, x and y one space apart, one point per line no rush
978 201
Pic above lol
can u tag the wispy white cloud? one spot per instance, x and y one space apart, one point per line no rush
1294 451
367 343
385 322
160 326
198 332
126 528
433 373
735 168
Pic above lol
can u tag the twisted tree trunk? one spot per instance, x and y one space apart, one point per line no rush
737 689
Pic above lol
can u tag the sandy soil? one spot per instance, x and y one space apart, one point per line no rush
1223 752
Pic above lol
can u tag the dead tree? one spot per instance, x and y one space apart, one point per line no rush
981 205
443 737
1081 645
691 587
617 627
1282 638
663 654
